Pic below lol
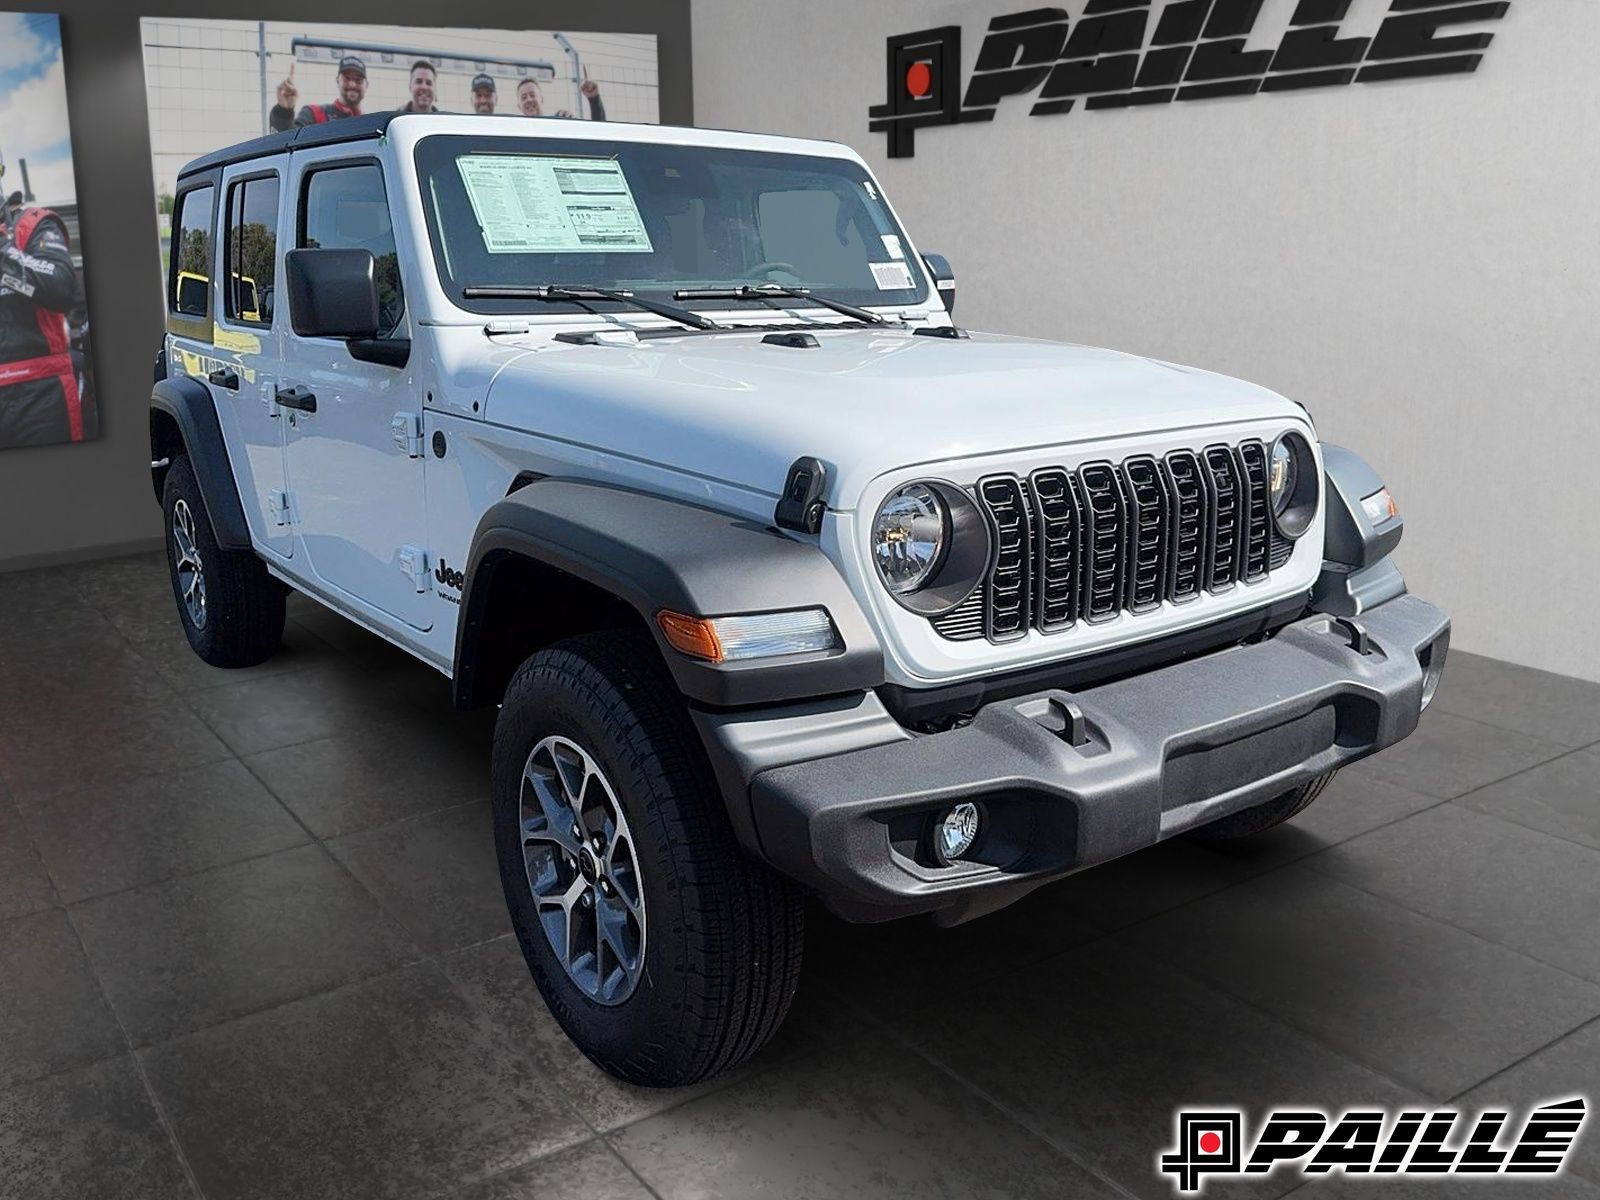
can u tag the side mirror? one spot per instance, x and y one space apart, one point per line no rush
944 278
332 293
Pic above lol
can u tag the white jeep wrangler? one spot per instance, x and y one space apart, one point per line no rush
663 441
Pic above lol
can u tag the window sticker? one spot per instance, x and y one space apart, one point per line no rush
528 204
891 276
892 245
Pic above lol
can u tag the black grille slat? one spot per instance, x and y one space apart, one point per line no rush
1106 511
1058 533
1222 490
1091 544
1257 524
1008 611
1149 520
1188 525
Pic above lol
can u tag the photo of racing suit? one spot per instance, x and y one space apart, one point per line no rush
40 400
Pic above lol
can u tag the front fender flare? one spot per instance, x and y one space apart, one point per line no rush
656 553
188 402
1356 572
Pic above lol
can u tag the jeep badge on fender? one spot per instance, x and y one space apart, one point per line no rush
781 583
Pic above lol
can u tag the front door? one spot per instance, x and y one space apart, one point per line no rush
355 481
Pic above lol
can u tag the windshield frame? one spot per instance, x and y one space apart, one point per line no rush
439 151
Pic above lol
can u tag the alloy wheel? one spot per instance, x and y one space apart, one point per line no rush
582 869
190 570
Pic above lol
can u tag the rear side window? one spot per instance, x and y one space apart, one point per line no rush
252 242
346 209
191 263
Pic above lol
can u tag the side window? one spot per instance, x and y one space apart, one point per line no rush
190 291
252 244
346 209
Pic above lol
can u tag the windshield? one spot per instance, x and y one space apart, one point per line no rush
508 212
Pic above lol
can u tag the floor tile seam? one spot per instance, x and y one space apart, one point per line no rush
32 843
1519 824
212 729
191 686
409 819
1592 983
1343 1053
329 854
1592 1023
1518 773
523 1055
129 1049
181 876
1496 725
727 1080
460 1188
384 725
211 1027
38 796
632 1170
1065 1150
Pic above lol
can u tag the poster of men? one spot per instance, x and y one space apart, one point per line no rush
211 83
46 386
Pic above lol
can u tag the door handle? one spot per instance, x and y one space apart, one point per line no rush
225 377
296 397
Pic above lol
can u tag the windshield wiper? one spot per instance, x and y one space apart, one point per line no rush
557 293
769 291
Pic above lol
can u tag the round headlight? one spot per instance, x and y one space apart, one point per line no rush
1294 483
909 537
1281 472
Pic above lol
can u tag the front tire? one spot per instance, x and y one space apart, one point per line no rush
1263 817
232 610
685 954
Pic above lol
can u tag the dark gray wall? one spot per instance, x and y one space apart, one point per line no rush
61 503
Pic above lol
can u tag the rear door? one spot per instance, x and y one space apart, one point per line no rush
223 354
355 463
248 338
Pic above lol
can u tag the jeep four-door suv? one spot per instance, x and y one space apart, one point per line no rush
664 441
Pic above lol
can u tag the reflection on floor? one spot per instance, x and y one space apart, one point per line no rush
252 945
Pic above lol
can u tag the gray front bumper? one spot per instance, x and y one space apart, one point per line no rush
1156 754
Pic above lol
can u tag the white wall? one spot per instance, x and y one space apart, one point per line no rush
1418 262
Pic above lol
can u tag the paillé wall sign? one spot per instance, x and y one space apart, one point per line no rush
1123 52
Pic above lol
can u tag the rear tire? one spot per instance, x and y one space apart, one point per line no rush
700 974
1263 816
232 610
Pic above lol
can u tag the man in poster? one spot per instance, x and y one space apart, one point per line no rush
424 86
39 398
530 99
352 90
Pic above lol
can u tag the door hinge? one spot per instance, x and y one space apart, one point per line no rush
278 508
414 563
407 431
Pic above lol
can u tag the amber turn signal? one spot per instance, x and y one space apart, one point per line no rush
694 636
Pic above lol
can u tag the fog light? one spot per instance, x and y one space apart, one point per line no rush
956 831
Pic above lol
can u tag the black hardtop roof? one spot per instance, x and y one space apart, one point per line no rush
348 129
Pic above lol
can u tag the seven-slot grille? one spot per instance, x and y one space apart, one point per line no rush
1108 538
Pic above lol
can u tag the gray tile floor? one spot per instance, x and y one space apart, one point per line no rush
252 945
